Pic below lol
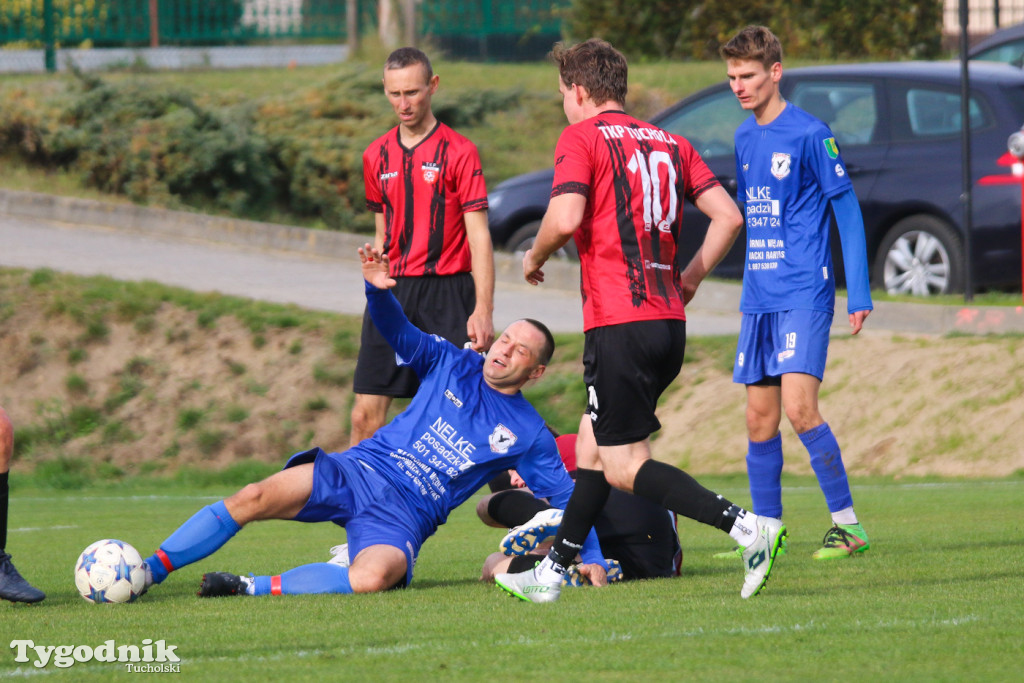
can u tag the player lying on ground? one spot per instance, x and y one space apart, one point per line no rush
640 536
468 422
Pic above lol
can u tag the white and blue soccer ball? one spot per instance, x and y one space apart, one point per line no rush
110 571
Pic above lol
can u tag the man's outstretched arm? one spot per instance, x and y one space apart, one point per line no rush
385 311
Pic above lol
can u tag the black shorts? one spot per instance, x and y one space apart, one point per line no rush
436 304
626 368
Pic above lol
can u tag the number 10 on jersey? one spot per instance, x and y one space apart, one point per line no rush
660 200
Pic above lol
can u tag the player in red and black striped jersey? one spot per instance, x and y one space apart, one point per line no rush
425 185
422 194
632 178
618 190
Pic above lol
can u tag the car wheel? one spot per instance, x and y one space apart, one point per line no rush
922 256
522 239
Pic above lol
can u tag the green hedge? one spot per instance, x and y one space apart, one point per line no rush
297 155
812 29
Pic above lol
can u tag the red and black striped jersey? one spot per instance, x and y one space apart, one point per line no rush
635 177
423 193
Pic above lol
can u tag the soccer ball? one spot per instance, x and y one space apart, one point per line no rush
110 571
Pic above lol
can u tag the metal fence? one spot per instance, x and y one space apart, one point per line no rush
131 23
481 28
984 16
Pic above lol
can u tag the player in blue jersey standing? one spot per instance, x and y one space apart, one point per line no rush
468 422
791 182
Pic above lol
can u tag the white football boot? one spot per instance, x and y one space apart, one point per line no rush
759 556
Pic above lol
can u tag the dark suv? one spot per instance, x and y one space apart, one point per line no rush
898 128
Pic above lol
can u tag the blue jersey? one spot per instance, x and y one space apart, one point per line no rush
457 432
787 172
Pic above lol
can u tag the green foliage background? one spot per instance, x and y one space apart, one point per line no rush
286 146
811 29
297 153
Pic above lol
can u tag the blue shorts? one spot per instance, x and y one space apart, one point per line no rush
353 496
773 344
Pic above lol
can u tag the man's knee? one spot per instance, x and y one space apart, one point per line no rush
366 582
247 504
496 563
621 463
363 419
482 513
803 417
763 418
377 569
621 474
368 415
620 478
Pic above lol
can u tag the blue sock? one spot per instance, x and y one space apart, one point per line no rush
764 470
319 577
827 462
201 535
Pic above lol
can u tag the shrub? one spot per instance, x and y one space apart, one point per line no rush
812 29
297 154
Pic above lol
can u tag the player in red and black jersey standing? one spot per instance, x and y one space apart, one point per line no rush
618 190
425 185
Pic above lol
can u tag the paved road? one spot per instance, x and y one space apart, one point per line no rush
318 271
329 284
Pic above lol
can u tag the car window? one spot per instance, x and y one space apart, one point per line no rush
1010 53
709 123
936 113
849 109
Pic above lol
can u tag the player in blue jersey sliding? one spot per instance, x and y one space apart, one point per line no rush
467 422
791 182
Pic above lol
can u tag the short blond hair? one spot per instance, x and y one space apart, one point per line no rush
754 43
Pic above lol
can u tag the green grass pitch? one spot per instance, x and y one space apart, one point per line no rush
938 597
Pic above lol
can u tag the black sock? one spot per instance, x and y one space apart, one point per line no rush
675 490
586 503
512 508
3 510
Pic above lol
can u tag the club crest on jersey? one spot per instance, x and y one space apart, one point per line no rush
780 164
430 171
502 439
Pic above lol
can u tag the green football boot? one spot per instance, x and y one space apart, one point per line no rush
842 540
